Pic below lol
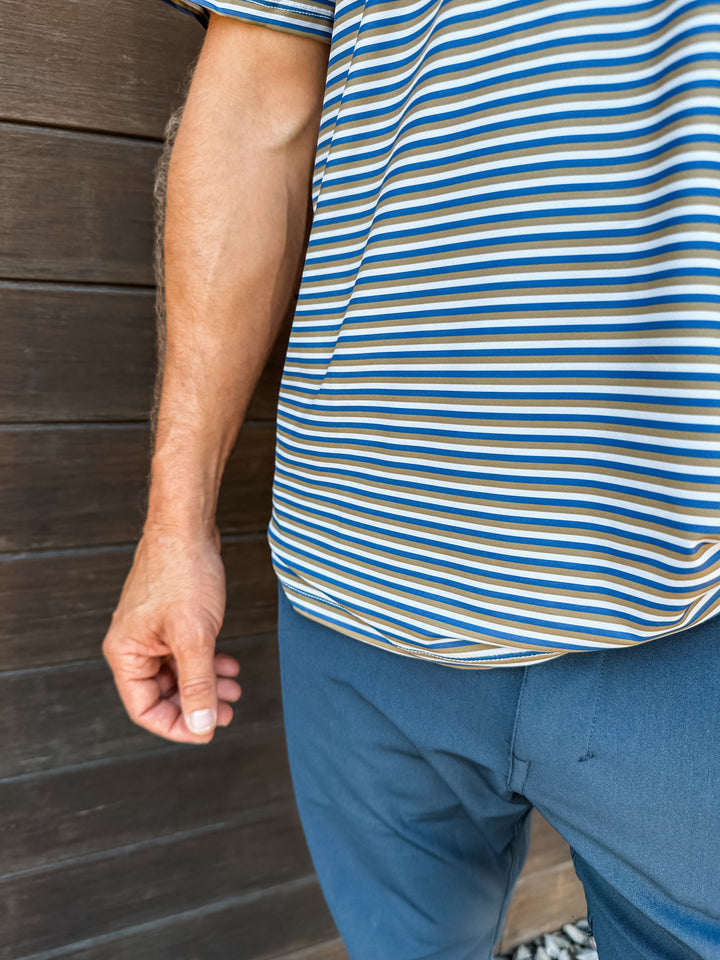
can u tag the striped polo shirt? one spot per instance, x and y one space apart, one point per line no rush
497 431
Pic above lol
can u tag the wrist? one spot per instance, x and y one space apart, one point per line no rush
182 501
179 524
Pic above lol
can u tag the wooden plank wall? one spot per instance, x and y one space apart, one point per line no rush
115 843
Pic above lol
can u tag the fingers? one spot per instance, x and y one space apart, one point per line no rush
226 666
227 689
150 685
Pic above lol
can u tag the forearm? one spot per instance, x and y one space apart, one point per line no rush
237 212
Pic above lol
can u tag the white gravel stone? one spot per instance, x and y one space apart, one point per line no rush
575 933
522 952
553 945
574 941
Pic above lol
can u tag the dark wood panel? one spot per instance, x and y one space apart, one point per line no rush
67 715
95 808
542 904
76 206
76 354
95 896
107 66
331 950
547 893
83 354
56 609
82 486
257 928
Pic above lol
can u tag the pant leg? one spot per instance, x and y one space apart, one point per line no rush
400 768
638 798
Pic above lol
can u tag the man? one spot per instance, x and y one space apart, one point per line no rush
495 506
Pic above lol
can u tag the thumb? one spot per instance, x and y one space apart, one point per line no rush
197 685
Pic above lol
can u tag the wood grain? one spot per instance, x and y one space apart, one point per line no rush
75 206
93 808
258 926
116 67
144 883
82 354
81 486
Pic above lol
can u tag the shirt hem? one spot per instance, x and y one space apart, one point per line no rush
490 661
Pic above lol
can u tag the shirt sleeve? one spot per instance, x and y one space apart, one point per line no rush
310 18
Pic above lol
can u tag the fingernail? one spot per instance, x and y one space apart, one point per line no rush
200 721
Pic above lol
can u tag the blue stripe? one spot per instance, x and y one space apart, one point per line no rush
482 416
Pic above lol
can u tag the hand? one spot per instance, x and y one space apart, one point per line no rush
161 643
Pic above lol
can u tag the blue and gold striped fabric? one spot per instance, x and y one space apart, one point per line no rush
499 418
313 18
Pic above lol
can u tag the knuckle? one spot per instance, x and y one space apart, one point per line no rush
199 687
107 647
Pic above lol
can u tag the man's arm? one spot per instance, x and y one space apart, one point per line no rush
236 222
235 231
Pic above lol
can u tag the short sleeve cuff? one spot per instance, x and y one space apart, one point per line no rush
311 18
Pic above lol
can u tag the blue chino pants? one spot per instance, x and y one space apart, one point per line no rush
414 781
